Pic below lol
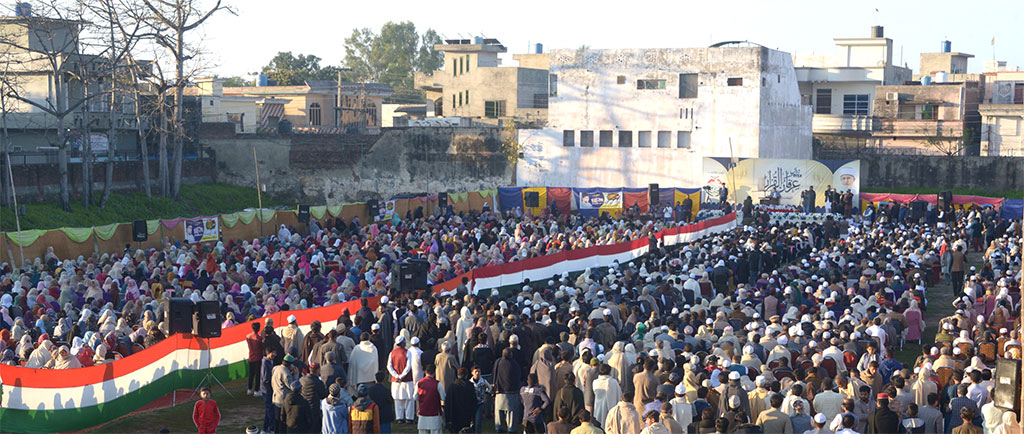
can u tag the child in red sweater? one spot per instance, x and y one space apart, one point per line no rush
205 414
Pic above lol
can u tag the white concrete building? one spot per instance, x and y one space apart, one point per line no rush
638 116
840 87
1002 113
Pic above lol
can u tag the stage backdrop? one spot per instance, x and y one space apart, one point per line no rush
756 177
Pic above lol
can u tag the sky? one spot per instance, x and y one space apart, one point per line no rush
241 44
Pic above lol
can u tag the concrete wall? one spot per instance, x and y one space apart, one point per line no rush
993 174
760 117
346 168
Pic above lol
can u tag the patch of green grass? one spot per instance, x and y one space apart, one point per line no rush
1008 194
196 200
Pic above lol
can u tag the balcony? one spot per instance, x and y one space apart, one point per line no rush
833 124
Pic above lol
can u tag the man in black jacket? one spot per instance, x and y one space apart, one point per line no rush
313 390
296 411
381 395
460 403
882 420
507 380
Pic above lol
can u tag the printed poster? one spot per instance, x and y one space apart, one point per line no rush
601 200
202 230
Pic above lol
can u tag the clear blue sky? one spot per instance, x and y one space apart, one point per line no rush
237 45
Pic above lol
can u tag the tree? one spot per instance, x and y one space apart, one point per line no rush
393 55
55 36
949 145
236 81
290 70
171 22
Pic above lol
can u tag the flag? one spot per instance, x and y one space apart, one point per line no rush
993 40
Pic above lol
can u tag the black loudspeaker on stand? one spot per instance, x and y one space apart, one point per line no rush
303 214
531 199
1006 393
139 230
442 199
654 194
202 320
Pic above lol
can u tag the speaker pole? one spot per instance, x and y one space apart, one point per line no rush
259 197
208 377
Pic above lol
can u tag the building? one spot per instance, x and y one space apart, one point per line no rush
79 90
249 114
319 106
638 116
1002 114
474 84
937 113
841 87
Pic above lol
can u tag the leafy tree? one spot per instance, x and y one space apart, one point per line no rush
392 55
287 69
237 81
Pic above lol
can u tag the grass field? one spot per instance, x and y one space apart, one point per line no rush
196 200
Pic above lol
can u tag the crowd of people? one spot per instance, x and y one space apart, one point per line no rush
771 327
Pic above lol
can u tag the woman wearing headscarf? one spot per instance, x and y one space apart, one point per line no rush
63 360
40 356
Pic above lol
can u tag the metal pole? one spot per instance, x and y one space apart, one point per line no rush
17 220
259 197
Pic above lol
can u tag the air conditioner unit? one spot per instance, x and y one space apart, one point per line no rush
892 96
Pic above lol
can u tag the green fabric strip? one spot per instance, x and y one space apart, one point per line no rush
25 237
106 232
152 226
78 235
47 421
318 211
229 220
267 215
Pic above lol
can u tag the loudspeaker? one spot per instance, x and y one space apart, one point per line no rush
303 214
442 199
1006 393
531 199
371 206
945 200
206 319
653 193
139 230
918 209
178 314
410 275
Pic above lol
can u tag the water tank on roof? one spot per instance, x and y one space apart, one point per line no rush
946 47
877 31
23 9
538 48
478 40
926 80
941 77
261 80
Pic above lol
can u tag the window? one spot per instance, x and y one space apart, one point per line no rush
625 139
764 82
460 99
540 100
823 101
553 84
664 139
494 109
683 140
620 79
687 85
856 104
605 138
586 139
453 101
314 114
734 81
467 68
458 61
645 84
568 138
643 139
929 111
467 97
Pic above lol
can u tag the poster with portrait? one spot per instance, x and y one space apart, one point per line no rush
601 200
201 230
760 177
